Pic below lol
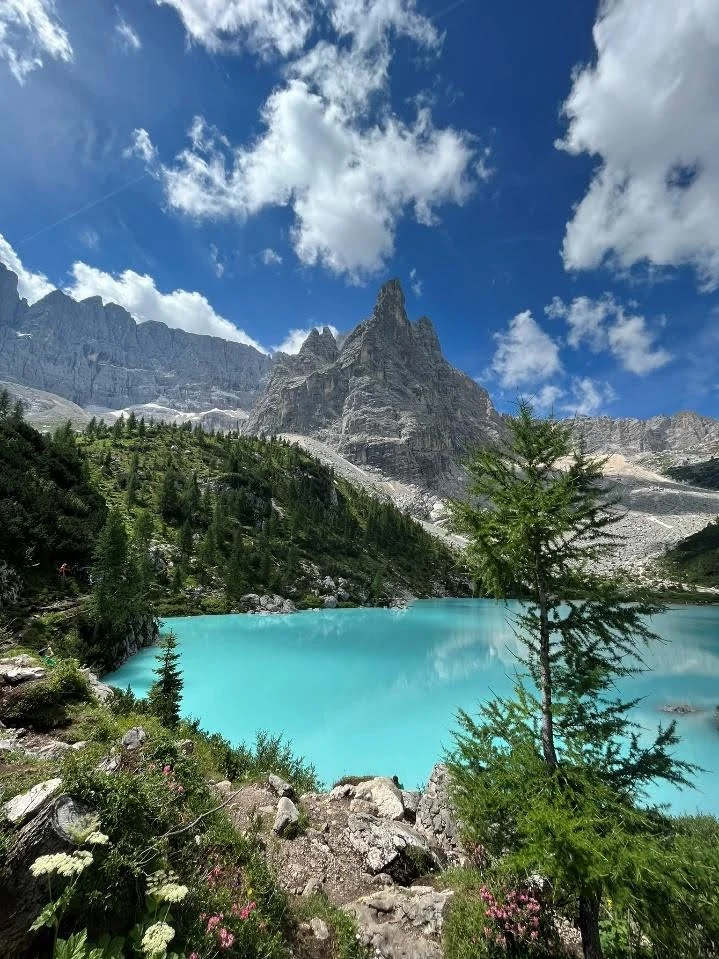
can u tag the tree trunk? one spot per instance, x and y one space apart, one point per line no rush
22 897
589 926
545 675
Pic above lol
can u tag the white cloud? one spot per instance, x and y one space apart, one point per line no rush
139 295
217 260
605 326
589 397
546 398
525 354
89 238
416 283
331 150
127 35
648 110
292 343
347 186
141 146
30 31
270 258
33 286
265 26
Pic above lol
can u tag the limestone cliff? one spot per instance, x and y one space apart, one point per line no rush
684 432
386 399
99 355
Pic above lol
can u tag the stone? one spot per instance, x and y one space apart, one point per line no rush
402 923
319 928
437 819
410 801
21 807
185 746
133 738
111 763
99 690
224 787
14 675
330 602
363 806
312 887
280 786
383 792
343 791
391 847
287 816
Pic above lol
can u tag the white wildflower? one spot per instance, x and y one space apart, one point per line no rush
171 892
97 839
156 939
62 864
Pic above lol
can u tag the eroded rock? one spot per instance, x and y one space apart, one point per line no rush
21 807
436 818
287 816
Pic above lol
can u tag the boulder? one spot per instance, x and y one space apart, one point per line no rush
383 792
100 691
399 923
343 791
287 816
319 928
20 808
330 602
280 786
391 847
14 675
410 801
133 738
185 746
436 818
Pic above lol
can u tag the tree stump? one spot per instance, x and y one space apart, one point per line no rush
22 896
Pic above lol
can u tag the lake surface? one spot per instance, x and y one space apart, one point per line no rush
376 690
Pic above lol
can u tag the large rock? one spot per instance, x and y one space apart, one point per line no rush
681 433
387 399
20 669
280 786
384 794
22 807
133 739
97 355
402 923
436 818
391 847
287 816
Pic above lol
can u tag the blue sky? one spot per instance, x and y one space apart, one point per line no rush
545 183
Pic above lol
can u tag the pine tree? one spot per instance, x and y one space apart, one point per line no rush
165 694
559 769
131 491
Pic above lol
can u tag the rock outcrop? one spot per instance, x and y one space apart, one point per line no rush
99 355
387 399
684 432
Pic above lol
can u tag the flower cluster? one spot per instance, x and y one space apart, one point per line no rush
156 939
172 783
512 919
62 864
224 937
245 912
163 885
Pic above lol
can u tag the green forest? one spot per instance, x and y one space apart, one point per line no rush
143 519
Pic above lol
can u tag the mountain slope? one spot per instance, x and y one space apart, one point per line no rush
99 355
682 432
386 399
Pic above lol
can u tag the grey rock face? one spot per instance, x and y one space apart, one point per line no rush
287 816
98 355
22 807
402 923
436 818
682 432
390 847
280 786
133 738
387 399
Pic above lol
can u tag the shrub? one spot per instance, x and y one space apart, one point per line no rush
44 703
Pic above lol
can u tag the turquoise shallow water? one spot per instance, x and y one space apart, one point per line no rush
376 690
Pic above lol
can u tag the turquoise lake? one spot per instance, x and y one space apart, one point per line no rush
376 691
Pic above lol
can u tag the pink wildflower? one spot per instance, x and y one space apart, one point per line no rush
213 922
226 938
534 935
167 770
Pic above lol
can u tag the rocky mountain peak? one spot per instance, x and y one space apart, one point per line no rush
321 345
389 311
11 306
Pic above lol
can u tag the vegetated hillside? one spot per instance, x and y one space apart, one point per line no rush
705 473
228 514
696 558
49 511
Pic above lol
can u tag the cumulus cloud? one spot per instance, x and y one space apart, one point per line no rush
605 326
29 32
270 257
330 150
547 397
127 36
265 26
647 108
347 186
33 286
139 295
292 343
525 354
141 146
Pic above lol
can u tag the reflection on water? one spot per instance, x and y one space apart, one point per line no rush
373 690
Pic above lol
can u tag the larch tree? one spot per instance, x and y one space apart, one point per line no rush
557 774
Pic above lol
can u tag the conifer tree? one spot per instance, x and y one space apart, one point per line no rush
558 772
165 694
